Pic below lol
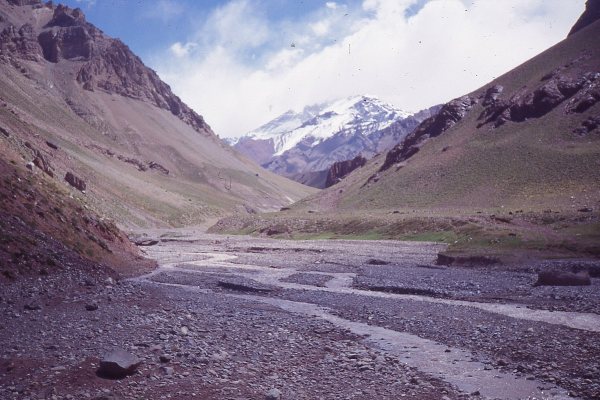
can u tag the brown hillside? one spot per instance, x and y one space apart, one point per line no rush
145 157
529 139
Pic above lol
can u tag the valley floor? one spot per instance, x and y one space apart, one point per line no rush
235 317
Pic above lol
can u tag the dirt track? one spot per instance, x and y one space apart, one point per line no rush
236 317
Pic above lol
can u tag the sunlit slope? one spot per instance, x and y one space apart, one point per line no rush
146 158
534 155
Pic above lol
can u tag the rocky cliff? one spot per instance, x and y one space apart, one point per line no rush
80 109
589 16
342 168
100 62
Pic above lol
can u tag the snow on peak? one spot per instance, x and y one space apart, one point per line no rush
352 115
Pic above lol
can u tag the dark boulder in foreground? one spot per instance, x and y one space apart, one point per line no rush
563 278
118 364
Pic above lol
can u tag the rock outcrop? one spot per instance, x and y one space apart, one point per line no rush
448 116
342 168
101 63
21 41
587 126
535 103
589 16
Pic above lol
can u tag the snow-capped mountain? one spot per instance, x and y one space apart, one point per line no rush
303 145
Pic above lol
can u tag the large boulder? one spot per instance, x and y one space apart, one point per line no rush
118 364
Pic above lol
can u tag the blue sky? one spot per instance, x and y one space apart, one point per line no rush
240 63
149 26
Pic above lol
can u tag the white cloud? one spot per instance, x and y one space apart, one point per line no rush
247 69
163 10
182 50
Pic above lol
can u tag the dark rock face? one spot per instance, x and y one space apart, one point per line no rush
156 166
342 168
66 43
118 364
563 278
589 16
587 126
76 182
115 69
20 41
450 114
491 95
584 91
67 36
587 97
108 64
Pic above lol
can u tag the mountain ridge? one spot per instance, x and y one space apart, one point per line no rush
144 156
304 145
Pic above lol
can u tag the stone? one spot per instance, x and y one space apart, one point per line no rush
75 181
164 358
32 306
273 394
563 278
146 242
51 145
375 261
243 285
43 164
118 364
91 306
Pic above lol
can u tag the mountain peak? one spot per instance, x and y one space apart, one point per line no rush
318 122
300 145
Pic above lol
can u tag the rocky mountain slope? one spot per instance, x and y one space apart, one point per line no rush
529 139
303 146
85 111
506 173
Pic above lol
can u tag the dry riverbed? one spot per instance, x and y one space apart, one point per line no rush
248 318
